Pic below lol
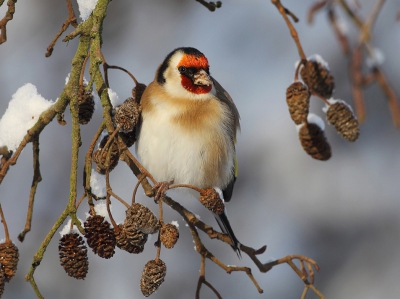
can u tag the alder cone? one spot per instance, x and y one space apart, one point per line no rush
130 239
314 142
9 257
100 236
100 157
211 200
128 114
318 79
298 101
86 105
342 118
73 255
169 235
153 275
142 218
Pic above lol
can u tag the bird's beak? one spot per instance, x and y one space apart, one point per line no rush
202 78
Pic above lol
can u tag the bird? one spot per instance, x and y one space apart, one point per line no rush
188 129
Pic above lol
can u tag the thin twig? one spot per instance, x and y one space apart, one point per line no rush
87 172
365 33
38 257
148 189
35 182
343 40
106 66
109 191
71 20
315 8
140 166
110 139
108 201
3 220
8 17
211 6
284 11
390 94
186 186
303 296
80 200
136 188
202 280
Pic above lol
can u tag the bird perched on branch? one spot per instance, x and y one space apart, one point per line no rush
188 129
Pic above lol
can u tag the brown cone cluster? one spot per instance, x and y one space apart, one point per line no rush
298 101
142 218
73 255
153 275
86 105
342 118
130 238
313 141
318 78
169 235
100 156
211 200
319 82
127 115
100 236
9 257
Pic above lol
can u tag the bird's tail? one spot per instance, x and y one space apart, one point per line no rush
226 228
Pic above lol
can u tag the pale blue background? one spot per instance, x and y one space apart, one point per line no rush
344 213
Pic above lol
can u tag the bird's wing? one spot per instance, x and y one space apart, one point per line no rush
224 97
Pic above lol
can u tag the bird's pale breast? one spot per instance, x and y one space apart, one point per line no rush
188 141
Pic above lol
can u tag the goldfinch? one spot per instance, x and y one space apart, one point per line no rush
188 128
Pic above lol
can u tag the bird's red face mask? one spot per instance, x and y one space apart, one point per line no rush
194 74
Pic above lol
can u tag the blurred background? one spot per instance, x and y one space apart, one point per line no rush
344 213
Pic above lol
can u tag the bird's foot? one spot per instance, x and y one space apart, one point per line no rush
160 188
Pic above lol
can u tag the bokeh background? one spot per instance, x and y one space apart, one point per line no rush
344 213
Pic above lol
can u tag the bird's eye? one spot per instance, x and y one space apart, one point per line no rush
182 69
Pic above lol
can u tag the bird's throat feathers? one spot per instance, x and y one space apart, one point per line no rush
188 84
197 62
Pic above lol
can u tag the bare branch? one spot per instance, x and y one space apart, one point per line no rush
284 12
211 6
35 182
71 20
8 17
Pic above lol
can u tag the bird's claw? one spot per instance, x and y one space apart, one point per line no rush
160 188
